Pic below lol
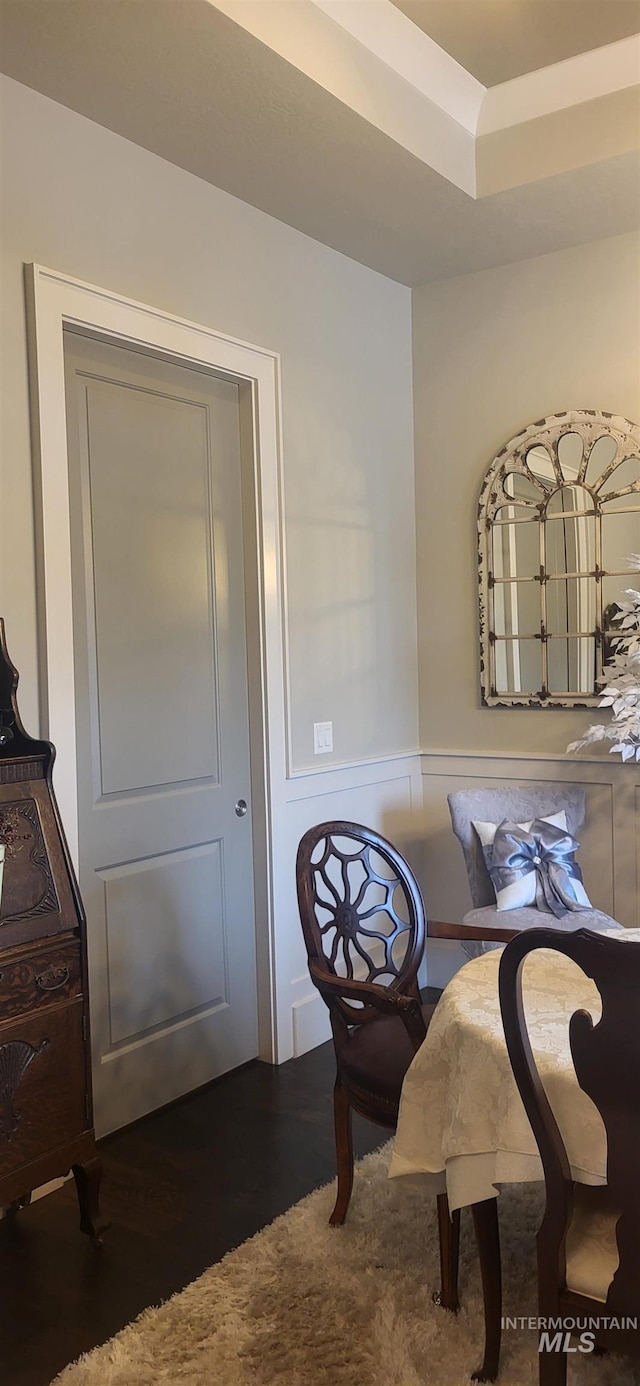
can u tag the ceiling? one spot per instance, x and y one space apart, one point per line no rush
496 40
185 81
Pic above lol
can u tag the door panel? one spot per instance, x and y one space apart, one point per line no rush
160 899
162 721
152 576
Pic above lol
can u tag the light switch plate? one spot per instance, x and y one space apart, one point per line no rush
322 738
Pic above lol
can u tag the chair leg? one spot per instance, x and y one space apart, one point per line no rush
552 1368
344 1153
449 1237
88 1177
485 1221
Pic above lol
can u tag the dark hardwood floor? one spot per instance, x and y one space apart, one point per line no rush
181 1187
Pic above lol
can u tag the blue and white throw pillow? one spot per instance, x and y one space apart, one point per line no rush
533 864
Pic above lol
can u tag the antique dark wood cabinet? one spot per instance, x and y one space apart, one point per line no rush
46 1121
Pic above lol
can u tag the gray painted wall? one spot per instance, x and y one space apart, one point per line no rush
492 352
82 200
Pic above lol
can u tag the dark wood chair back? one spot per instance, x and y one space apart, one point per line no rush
606 1057
363 922
361 912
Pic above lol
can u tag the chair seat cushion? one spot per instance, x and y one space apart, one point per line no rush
592 1252
529 917
374 1062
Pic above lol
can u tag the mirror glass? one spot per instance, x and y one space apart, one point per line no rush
623 476
518 665
569 499
517 551
571 607
571 664
601 456
620 537
570 450
570 544
522 488
559 517
516 608
540 464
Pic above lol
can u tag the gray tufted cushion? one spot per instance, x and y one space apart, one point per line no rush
520 803
528 917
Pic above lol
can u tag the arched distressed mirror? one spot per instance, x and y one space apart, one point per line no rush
558 516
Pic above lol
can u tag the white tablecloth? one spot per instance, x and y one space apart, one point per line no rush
462 1125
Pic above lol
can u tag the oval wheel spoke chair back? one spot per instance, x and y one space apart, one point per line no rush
364 927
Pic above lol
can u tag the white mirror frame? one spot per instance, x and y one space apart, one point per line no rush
590 424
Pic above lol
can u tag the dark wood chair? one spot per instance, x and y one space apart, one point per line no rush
588 1244
364 927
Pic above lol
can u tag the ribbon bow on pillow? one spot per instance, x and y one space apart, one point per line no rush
534 864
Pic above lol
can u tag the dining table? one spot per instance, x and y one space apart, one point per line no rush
462 1127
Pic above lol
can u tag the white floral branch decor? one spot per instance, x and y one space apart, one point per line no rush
621 680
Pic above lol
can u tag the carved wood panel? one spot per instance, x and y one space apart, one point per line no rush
42 1102
43 977
28 888
37 899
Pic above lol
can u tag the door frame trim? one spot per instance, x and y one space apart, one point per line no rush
54 301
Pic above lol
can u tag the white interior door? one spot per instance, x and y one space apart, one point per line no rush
166 862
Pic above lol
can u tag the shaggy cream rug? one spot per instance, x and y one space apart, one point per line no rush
303 1304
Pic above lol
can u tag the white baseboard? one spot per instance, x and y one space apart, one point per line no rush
310 1022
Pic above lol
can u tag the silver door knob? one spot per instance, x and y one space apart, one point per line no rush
241 808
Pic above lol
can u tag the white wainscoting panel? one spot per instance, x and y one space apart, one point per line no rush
610 837
405 798
385 795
